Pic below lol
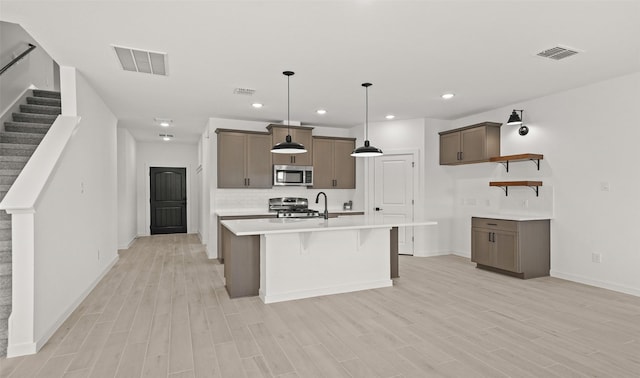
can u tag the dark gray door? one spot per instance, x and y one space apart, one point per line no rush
168 200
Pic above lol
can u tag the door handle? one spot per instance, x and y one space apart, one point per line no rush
378 209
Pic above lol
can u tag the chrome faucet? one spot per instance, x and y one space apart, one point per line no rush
326 213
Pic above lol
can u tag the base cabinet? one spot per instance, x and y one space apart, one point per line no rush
517 248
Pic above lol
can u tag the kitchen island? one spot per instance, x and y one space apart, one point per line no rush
288 259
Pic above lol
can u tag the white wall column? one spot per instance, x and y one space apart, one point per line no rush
22 319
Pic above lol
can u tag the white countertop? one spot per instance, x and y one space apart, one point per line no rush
514 217
244 227
242 212
264 211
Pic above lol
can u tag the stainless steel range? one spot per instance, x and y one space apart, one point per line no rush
292 207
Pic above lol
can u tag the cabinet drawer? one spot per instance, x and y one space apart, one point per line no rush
494 224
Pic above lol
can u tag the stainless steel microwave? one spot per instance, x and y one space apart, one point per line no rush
292 175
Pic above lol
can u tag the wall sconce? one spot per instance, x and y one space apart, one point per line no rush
515 119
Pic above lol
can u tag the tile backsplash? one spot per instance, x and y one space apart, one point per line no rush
226 199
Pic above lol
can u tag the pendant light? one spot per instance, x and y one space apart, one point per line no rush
367 150
288 146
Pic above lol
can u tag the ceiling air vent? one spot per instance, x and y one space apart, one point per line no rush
244 91
137 60
557 53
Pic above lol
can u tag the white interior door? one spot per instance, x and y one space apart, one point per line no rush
393 195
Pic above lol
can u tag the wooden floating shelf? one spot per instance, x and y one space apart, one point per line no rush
535 158
534 185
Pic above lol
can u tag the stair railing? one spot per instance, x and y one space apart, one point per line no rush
18 58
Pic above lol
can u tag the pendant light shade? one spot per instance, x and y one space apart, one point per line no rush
288 146
367 150
514 118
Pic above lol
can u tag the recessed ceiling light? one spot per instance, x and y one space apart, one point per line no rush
164 122
321 111
256 105
447 96
389 116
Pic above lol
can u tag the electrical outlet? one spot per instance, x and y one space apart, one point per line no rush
596 257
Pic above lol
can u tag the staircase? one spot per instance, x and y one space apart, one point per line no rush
17 144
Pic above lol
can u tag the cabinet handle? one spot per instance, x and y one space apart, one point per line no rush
461 155
489 236
248 182
492 224
494 236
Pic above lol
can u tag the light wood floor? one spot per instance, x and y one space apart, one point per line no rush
163 311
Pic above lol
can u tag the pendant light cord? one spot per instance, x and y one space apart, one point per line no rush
366 115
288 106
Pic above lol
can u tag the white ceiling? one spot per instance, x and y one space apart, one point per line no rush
412 52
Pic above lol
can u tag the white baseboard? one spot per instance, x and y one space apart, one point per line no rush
430 254
280 297
17 350
591 282
47 335
128 245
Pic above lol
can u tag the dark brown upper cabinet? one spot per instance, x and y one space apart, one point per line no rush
244 159
299 134
333 165
471 144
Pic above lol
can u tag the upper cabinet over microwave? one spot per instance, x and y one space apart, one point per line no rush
470 144
299 134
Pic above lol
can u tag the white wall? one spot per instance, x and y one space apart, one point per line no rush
36 69
127 189
588 137
433 197
166 154
75 219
